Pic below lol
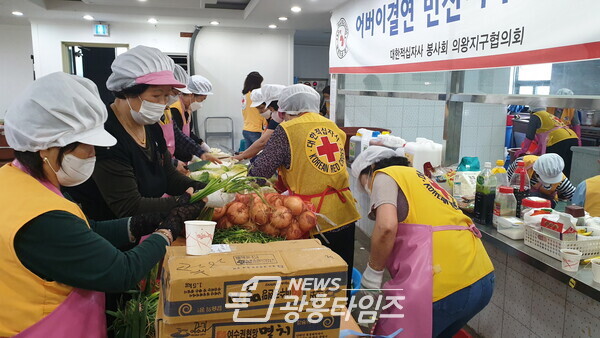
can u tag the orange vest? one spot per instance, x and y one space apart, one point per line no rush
26 298
317 163
459 258
566 116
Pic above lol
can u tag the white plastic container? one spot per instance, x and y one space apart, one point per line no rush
354 147
199 237
596 269
505 204
423 151
570 259
511 227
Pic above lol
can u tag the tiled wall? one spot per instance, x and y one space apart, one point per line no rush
483 130
529 303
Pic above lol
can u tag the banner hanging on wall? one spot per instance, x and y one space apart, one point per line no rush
396 36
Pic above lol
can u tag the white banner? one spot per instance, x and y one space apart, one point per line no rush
394 36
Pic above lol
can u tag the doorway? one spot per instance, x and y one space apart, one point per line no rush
92 61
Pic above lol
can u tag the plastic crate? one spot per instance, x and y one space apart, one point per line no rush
551 246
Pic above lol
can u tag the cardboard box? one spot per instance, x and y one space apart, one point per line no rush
563 230
197 288
329 327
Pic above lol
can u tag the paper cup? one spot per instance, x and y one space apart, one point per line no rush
199 237
570 259
596 269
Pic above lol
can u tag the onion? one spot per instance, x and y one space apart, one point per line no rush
219 213
269 230
309 206
274 200
292 232
238 213
307 220
250 226
295 204
224 223
259 213
281 217
242 198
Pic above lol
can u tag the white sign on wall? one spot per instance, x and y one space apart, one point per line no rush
395 36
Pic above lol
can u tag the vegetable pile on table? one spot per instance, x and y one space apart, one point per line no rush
273 214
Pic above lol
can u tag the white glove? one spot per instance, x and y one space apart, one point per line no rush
205 147
219 199
371 279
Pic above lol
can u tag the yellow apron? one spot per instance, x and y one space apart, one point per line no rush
26 298
318 171
553 129
459 258
592 196
253 122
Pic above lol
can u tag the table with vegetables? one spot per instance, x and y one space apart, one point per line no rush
258 214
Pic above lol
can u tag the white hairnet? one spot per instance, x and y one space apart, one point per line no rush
564 91
56 110
299 98
271 92
199 85
549 168
369 156
137 65
257 97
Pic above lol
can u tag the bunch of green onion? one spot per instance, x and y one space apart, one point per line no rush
234 184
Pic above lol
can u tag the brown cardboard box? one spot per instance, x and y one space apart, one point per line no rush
197 288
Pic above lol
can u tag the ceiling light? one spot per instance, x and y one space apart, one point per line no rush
282 18
152 21
214 23
17 13
88 17
142 0
296 9
272 26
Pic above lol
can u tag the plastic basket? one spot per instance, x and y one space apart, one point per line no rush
552 246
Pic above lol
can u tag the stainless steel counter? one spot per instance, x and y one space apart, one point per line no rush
581 281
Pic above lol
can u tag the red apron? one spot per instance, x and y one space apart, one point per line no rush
169 135
81 314
409 294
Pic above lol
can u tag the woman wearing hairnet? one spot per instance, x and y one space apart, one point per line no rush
254 123
431 249
136 176
191 99
546 176
269 95
308 151
56 263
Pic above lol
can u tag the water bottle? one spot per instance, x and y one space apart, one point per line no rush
485 193
520 183
501 176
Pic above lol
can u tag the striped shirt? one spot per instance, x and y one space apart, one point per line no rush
565 190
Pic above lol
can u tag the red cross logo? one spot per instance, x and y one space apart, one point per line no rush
328 149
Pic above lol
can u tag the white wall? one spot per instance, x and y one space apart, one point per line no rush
225 56
48 36
311 61
16 69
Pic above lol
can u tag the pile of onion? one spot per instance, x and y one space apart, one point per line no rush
273 214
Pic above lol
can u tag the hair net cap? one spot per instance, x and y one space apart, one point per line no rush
299 98
142 65
564 91
366 158
182 76
54 111
271 92
199 85
549 168
257 97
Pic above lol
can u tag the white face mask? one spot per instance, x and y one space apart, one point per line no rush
149 113
196 105
275 116
74 170
172 99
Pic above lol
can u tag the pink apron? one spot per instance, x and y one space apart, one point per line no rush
409 295
81 314
169 135
542 141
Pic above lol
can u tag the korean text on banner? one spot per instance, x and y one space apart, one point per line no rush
395 36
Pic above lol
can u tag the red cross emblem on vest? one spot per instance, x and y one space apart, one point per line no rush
328 149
